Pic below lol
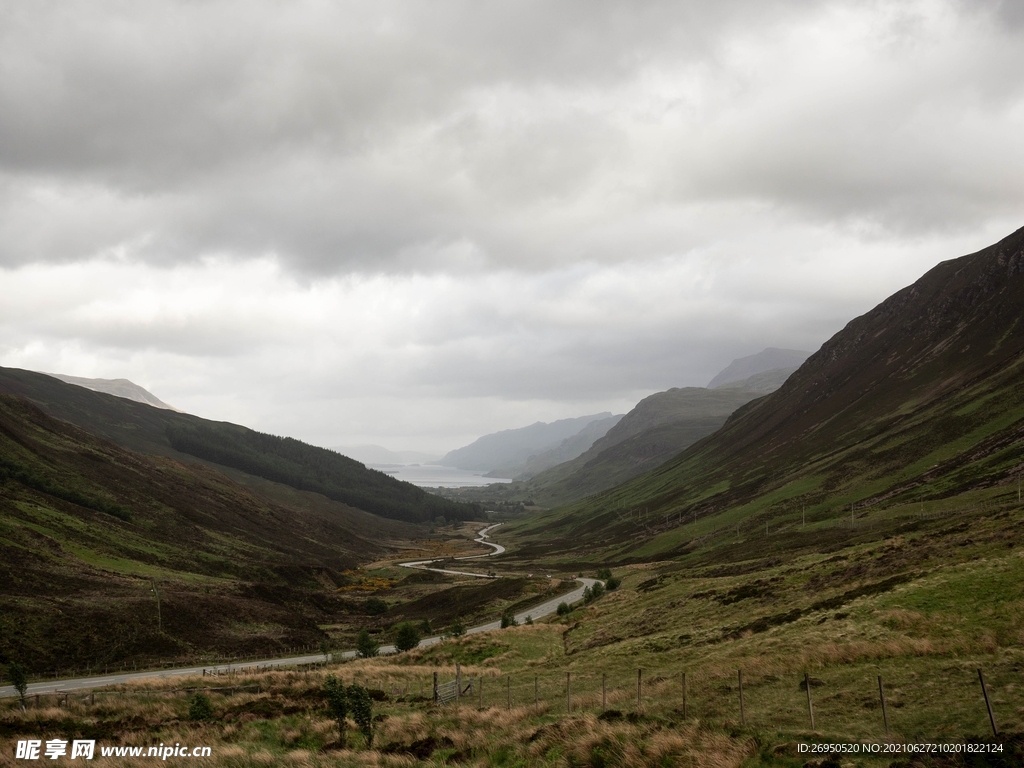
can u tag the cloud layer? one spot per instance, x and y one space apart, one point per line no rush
413 223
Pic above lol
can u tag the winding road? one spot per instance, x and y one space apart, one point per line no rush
98 681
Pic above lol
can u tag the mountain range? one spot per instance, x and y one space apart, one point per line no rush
656 429
918 401
508 451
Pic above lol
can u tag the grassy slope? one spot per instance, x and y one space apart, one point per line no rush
143 428
85 524
918 401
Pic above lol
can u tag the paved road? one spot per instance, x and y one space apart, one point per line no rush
81 683
423 565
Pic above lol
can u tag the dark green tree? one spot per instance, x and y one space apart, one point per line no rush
361 706
458 629
563 609
337 703
596 591
604 574
366 646
612 584
407 636
19 679
508 619
425 626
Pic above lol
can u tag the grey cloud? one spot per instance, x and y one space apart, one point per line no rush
427 137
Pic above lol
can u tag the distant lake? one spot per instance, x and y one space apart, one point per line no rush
435 476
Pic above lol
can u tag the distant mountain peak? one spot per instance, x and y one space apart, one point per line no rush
768 359
117 387
512 448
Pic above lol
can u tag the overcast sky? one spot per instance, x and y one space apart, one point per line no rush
414 223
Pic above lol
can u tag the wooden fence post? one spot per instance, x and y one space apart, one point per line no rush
810 702
988 704
458 683
639 691
435 687
684 695
743 716
885 713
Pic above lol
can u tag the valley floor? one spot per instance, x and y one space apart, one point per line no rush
922 603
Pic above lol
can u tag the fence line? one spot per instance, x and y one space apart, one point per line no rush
708 696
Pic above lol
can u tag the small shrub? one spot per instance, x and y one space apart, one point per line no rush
563 609
361 707
337 703
407 637
375 607
596 591
604 574
612 584
529 620
366 646
200 707
457 629
508 619
19 679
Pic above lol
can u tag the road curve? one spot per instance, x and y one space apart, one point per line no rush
424 565
81 683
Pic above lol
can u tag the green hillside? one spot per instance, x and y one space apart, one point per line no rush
151 430
914 403
655 430
85 525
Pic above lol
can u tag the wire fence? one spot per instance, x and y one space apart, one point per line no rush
851 701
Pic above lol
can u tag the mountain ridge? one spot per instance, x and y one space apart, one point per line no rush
184 437
124 388
768 359
512 447
920 398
